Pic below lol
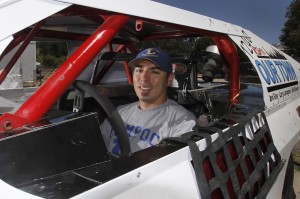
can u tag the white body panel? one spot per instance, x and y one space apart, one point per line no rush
279 74
170 177
145 8
4 43
8 191
14 10
173 175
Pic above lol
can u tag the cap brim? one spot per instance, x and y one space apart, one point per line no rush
133 62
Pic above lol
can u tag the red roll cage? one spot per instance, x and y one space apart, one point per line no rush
50 91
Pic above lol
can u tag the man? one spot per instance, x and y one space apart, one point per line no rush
154 116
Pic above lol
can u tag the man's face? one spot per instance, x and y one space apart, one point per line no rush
150 84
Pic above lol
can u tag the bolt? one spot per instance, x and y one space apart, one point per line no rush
7 125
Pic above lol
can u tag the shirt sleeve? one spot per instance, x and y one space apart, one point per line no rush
187 123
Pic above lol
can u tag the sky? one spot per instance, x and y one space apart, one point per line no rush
264 18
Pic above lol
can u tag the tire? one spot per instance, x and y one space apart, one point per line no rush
288 189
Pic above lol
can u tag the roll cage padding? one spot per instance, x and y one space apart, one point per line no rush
113 115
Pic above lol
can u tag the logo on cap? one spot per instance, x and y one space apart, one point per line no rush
149 52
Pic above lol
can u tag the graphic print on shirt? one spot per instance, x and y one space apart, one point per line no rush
138 136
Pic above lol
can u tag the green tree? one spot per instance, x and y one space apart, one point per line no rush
291 32
202 43
51 54
175 47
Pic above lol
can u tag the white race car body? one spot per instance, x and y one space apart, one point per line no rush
171 173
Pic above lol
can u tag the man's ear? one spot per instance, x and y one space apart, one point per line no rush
170 79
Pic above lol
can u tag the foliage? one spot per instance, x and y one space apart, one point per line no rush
51 54
185 47
179 46
202 43
291 32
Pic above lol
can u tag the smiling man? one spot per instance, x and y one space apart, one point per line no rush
154 116
150 80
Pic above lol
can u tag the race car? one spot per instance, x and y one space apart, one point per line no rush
51 145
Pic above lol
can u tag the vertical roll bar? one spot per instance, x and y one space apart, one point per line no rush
229 51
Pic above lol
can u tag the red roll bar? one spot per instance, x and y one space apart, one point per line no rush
42 100
227 48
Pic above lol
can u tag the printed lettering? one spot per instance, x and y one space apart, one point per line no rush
244 50
295 89
154 139
145 134
116 149
289 70
274 96
133 130
274 76
246 44
263 71
282 94
138 129
283 73
130 129
276 71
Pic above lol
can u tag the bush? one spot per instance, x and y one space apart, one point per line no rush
51 54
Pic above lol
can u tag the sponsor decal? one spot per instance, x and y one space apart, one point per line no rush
275 71
252 50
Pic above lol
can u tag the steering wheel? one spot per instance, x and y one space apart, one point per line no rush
112 113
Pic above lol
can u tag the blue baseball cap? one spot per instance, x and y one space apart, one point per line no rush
160 58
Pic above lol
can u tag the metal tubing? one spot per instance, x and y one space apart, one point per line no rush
128 71
229 51
107 66
42 100
21 49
